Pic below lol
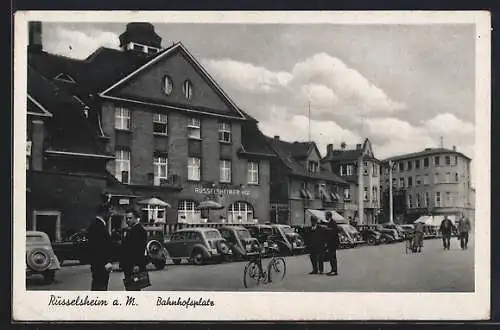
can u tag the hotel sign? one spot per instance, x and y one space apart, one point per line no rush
221 191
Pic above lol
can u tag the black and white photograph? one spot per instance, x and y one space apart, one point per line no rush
297 160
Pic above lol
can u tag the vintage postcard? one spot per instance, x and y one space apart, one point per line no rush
251 166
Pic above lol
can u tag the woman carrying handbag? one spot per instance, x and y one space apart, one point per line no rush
133 261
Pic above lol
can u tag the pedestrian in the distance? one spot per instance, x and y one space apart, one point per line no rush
99 247
463 228
331 238
133 245
316 246
446 228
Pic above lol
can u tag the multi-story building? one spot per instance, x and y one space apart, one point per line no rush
346 163
174 134
299 183
436 181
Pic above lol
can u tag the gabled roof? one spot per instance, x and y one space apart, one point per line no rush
340 155
253 142
36 109
294 156
426 152
106 93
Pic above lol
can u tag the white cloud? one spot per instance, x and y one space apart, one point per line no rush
77 44
246 77
447 124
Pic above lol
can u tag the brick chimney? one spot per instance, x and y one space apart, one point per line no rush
358 146
35 37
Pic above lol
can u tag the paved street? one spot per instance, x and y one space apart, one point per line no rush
383 268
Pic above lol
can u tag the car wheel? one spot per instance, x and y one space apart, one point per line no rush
38 260
177 261
383 240
371 241
48 276
159 263
197 258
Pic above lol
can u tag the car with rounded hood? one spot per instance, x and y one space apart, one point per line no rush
349 236
288 240
198 245
265 235
369 234
240 241
40 258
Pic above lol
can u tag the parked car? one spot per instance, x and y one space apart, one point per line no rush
348 236
288 240
198 245
369 235
240 241
399 235
407 230
40 258
264 234
391 235
75 247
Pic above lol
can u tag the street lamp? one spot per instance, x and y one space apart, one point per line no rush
391 211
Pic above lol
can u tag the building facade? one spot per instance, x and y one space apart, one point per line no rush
175 138
347 163
299 183
436 181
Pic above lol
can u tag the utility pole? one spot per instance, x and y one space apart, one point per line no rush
391 211
361 190
309 117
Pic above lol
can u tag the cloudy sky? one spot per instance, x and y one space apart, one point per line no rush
402 86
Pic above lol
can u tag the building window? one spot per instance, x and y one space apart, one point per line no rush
410 181
401 182
394 182
418 180
456 177
187 89
456 161
313 166
194 169
410 205
167 84
417 164
253 172
436 178
347 194
224 131
153 214
365 194
187 212
225 170
374 170
409 165
240 212
194 128
417 200
438 199
122 118
448 177
374 194
122 165
160 123
342 172
436 161
350 169
447 160
448 201
401 166
426 162
426 179
160 169
426 201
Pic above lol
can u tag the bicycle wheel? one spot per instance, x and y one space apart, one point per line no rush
276 269
251 275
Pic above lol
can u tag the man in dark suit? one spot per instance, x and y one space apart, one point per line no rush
446 228
133 245
316 246
99 247
331 242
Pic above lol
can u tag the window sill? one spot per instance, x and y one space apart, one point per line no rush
160 134
193 180
225 142
225 182
123 130
253 184
194 138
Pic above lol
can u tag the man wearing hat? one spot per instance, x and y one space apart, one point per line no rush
316 246
99 247
331 242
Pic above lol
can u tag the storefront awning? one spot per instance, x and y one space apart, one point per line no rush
306 194
326 196
320 214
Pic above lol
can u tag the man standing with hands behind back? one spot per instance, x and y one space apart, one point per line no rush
133 245
99 247
331 243
316 246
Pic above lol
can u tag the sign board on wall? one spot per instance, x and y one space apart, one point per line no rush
221 191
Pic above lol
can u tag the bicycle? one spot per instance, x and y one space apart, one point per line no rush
254 271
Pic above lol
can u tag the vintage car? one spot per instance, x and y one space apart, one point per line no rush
240 241
288 240
198 245
369 234
265 235
406 230
348 236
40 258
398 234
75 247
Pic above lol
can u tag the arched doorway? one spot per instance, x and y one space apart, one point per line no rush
240 212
